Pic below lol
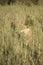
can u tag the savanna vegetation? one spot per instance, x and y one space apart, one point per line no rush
15 47
26 2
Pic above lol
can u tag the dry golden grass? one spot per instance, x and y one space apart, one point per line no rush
15 47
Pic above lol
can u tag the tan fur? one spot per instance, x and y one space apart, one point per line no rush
27 31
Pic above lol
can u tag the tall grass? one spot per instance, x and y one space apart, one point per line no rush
15 48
